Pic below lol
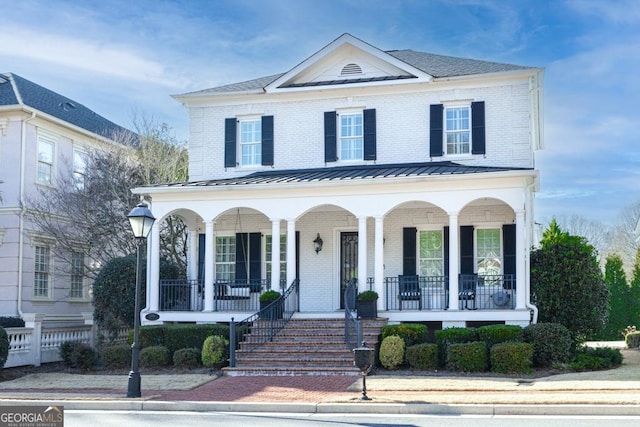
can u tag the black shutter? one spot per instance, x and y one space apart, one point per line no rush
477 128
242 251
255 257
369 130
509 247
445 247
230 143
330 137
409 235
201 246
466 250
267 140
436 133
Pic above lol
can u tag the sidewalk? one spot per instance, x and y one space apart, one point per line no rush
614 391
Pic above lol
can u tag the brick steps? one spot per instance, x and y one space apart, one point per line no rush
303 347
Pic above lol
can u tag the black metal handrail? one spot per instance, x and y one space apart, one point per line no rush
261 327
352 329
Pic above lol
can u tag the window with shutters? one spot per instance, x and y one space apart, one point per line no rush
250 137
351 136
457 130
489 251
431 262
225 258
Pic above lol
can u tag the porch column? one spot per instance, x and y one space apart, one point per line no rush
378 273
521 248
209 265
291 251
275 254
454 262
362 253
153 276
193 255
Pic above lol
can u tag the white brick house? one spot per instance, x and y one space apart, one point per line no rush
410 167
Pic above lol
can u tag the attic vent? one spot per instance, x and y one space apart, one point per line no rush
66 106
351 69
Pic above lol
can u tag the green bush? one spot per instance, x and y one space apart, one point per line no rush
188 358
215 351
448 336
116 356
4 347
411 333
512 358
156 356
392 352
612 357
178 336
11 322
551 343
587 362
75 354
495 334
467 357
422 356
632 339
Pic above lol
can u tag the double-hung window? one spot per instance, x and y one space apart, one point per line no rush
225 258
46 149
431 262
42 272
351 136
79 169
77 275
251 142
489 251
283 257
458 130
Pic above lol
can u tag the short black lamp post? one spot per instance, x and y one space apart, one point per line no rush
364 358
141 220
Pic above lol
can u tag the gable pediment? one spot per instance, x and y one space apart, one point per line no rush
346 61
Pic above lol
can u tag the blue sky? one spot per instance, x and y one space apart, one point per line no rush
122 58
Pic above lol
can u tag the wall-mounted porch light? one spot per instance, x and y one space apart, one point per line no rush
317 243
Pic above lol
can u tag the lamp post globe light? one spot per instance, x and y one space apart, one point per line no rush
141 220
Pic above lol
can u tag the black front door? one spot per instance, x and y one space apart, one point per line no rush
348 260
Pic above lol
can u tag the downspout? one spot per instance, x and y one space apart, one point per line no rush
527 257
23 209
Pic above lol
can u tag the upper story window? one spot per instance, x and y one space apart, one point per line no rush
458 130
79 169
46 150
351 136
248 142
42 271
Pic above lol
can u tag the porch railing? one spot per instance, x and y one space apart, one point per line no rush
262 326
352 329
235 295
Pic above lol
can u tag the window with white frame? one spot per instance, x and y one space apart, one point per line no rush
79 169
42 271
431 253
489 251
225 258
351 136
283 256
250 142
77 275
46 149
457 130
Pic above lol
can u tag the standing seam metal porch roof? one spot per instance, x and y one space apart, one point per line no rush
345 173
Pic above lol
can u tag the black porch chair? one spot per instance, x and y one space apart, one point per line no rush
467 289
409 289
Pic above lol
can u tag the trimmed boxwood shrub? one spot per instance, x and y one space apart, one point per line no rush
422 356
188 358
411 333
4 347
494 334
156 356
116 356
467 357
551 343
448 336
587 362
611 357
178 336
391 353
512 358
75 354
632 339
215 352
11 322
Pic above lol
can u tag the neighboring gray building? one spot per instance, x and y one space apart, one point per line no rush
43 135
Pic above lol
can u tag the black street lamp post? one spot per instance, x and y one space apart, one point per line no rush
141 220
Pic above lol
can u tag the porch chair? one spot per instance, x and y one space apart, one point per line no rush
409 289
467 289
